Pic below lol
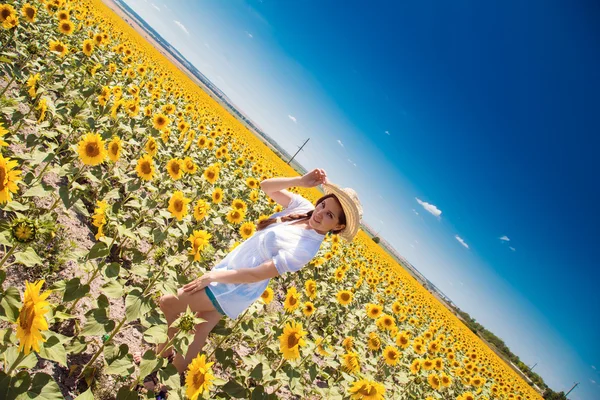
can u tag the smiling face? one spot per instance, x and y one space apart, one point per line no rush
326 216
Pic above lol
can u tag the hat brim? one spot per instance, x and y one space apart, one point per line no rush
350 210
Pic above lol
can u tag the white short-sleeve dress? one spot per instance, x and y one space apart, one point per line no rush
289 246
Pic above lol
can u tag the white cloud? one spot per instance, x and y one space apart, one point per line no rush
451 284
387 133
461 241
155 6
512 248
594 367
415 211
593 381
207 45
505 238
292 118
167 8
352 162
462 284
249 34
183 28
412 245
430 207
340 143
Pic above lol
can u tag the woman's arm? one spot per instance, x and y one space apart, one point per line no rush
264 271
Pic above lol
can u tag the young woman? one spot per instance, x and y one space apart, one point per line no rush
283 243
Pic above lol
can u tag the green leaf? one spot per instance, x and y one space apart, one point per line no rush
10 303
43 387
99 249
149 363
13 386
119 360
11 354
75 290
257 372
87 395
53 350
5 239
39 191
234 389
80 208
156 334
125 393
136 305
112 270
15 206
29 257
69 198
78 345
113 289
97 323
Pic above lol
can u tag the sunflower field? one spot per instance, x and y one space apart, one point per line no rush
122 180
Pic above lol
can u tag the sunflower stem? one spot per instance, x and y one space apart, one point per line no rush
296 368
115 331
12 250
232 331
79 173
20 358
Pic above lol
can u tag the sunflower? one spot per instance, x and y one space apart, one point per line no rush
466 396
374 310
145 167
198 380
91 149
445 380
6 11
402 340
32 82
291 340
391 355
165 134
178 205
308 309
212 174
59 47
66 27
201 142
235 216
98 39
348 343
200 210
239 204
434 381
292 300
23 230
199 240
351 362
31 318
415 367
247 229
175 168
267 295
310 288
29 12
114 148
427 364
42 107
252 183
160 121
217 195
385 322
373 342
189 166
344 297
364 389
151 146
254 196
3 132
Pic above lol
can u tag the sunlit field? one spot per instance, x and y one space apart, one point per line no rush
120 181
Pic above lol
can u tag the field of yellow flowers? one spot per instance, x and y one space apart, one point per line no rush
120 181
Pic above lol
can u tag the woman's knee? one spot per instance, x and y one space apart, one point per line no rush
168 303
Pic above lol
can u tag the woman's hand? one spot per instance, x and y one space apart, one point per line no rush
314 178
198 283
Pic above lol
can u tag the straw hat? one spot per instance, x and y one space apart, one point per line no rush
351 206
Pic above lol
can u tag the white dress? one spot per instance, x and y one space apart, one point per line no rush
289 246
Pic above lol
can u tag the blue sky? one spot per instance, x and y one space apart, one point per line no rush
469 131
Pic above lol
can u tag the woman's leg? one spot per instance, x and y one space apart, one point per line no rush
202 330
172 306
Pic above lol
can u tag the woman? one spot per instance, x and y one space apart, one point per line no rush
283 243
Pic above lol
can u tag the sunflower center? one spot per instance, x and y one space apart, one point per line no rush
210 175
367 390
92 150
66 27
88 47
345 296
114 148
198 242
5 13
146 168
293 300
60 48
2 178
293 340
29 12
217 196
175 168
178 205
199 379
26 317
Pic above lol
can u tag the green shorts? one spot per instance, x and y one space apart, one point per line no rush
211 296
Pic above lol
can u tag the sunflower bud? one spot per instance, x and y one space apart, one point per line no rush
186 323
23 230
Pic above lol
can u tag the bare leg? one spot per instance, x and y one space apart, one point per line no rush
173 306
202 330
